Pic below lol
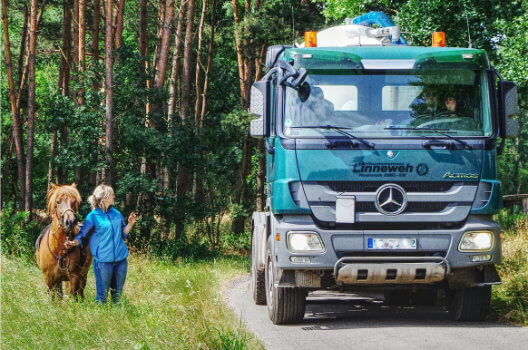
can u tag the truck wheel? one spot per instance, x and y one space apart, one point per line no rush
258 280
285 305
470 304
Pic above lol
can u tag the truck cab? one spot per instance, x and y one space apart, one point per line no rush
380 170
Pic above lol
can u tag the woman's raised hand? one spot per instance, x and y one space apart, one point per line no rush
132 218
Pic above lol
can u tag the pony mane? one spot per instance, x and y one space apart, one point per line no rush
58 191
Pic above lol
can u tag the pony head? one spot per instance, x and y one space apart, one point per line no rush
63 203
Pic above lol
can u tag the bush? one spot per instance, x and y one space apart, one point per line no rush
510 299
509 219
238 244
189 249
18 236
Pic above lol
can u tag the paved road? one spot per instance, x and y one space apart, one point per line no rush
336 321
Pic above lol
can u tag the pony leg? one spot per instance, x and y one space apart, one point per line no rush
55 291
74 287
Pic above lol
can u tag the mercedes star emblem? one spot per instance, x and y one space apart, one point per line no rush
391 199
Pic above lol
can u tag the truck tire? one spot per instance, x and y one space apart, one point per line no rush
285 305
258 276
470 304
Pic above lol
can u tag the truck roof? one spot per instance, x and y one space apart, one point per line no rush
397 56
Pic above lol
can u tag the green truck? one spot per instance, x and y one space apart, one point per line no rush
381 170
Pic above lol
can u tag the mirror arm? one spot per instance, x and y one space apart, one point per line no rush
269 148
500 148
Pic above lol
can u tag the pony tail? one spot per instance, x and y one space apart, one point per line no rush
92 202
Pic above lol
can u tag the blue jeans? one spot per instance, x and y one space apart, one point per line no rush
109 276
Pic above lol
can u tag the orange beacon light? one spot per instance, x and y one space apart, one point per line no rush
310 39
439 39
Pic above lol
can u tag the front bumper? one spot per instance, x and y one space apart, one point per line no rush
442 243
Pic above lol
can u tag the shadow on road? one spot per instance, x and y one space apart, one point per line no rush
338 312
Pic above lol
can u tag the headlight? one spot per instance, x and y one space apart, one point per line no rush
476 241
304 242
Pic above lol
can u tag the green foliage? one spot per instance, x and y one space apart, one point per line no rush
239 244
339 9
18 234
189 250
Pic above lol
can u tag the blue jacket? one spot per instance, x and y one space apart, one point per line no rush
107 242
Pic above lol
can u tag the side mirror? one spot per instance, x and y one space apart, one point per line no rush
260 107
508 106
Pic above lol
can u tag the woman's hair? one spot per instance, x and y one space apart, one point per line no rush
101 192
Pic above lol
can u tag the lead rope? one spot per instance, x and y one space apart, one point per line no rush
59 258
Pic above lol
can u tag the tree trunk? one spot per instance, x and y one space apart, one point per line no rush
198 69
143 23
209 65
95 34
82 36
64 78
174 83
159 33
13 97
23 41
187 61
175 69
31 106
82 46
119 24
64 82
238 48
75 33
109 88
161 68
185 175
53 150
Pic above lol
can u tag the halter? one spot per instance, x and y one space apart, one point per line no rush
61 218
61 257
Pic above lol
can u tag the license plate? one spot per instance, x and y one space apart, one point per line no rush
391 243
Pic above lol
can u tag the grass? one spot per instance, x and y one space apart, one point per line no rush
510 300
165 306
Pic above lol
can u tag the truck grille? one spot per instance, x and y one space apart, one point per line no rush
412 207
427 201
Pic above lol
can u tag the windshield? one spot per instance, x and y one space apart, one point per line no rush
390 104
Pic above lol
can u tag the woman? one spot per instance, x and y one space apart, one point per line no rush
107 243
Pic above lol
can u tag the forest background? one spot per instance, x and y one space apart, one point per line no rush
152 96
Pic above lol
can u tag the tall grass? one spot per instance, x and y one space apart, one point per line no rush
165 306
510 300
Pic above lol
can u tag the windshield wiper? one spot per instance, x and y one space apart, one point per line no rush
339 129
438 131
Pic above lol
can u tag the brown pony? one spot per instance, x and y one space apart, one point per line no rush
56 262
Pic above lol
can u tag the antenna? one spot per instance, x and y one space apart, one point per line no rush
293 27
469 35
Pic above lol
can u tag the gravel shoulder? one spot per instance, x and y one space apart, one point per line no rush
346 321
